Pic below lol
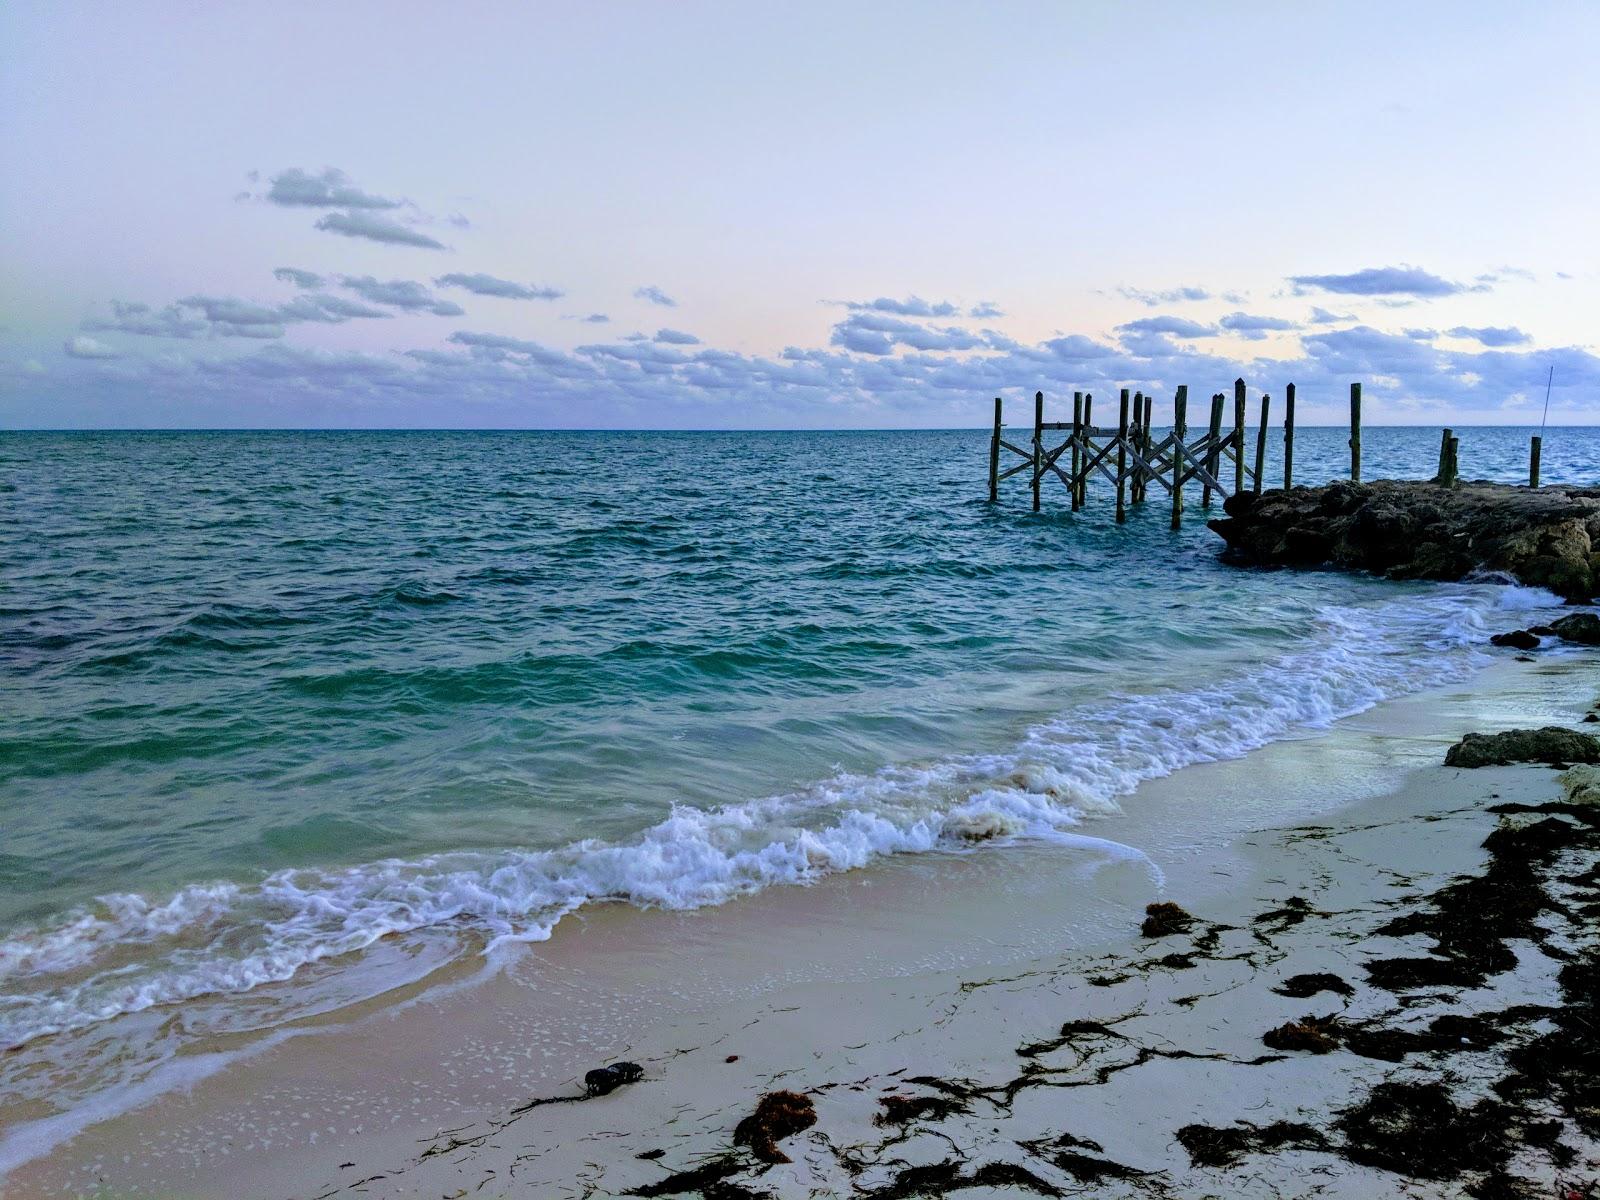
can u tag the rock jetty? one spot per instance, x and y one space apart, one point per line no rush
1549 537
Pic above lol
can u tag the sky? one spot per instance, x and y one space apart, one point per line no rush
764 215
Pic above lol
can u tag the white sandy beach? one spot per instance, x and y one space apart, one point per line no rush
1034 1039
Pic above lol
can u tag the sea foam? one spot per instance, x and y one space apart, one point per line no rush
128 952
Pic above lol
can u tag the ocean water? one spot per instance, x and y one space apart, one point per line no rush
290 718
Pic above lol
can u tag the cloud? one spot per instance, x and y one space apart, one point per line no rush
227 316
1321 316
1176 326
300 279
674 337
230 317
985 310
88 347
330 189
1491 335
1248 323
1384 281
591 319
656 296
329 309
142 320
495 346
911 306
1171 296
489 285
870 332
375 229
405 294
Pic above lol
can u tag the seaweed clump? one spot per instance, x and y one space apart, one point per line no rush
1472 920
1417 1129
1301 987
1315 1035
1164 918
778 1115
899 1110
1224 1145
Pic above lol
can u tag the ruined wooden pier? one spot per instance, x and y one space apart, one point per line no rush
1130 456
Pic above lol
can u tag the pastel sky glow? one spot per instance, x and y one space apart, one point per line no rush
801 215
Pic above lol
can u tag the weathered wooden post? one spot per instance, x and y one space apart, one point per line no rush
1088 445
1077 432
1455 461
1038 445
1213 459
1443 477
1355 433
1136 479
1261 441
1288 437
994 456
1180 428
1149 441
1533 460
1238 436
1122 459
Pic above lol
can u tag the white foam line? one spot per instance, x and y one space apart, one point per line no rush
1062 772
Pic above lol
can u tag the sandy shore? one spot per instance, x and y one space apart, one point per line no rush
994 1021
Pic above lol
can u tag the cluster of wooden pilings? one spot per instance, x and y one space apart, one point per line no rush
1130 456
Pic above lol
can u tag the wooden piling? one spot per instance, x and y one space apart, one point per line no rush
1088 425
1038 445
1288 437
1453 461
1136 479
1238 436
1355 433
1077 432
1261 441
1122 459
994 457
1213 459
1443 477
1534 446
1180 428
1147 442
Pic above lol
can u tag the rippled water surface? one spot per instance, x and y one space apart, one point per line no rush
268 697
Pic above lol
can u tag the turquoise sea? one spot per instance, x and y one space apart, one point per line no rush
289 718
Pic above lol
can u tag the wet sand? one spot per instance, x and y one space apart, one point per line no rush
990 992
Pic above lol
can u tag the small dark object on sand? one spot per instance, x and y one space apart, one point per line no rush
650 1154
1517 639
603 1080
777 1116
1163 918
1302 986
731 1058
1315 1035
1552 745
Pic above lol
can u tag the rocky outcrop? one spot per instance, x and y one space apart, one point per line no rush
1548 538
1552 744
1583 628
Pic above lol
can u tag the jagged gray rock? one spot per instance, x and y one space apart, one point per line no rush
1579 627
1552 744
1547 538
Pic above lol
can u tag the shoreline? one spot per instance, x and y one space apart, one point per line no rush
457 1060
